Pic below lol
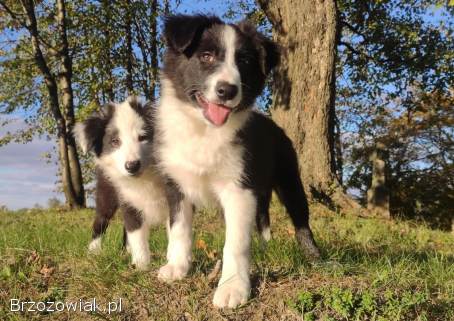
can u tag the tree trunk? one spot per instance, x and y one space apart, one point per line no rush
378 195
51 84
304 91
65 80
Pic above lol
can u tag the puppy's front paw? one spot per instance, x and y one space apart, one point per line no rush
141 262
231 293
170 272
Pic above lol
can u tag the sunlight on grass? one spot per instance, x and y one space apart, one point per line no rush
371 270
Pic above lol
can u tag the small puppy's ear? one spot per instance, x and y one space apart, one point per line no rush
269 50
181 31
89 133
135 104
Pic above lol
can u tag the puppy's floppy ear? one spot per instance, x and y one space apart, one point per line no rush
89 133
181 31
136 104
269 50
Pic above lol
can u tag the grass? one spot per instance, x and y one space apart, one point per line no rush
371 270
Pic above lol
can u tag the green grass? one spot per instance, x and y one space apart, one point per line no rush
371 270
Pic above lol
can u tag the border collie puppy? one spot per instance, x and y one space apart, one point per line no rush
120 137
213 147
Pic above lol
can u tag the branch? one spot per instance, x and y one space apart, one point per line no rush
356 51
352 28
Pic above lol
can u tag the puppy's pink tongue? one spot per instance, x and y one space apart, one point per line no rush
217 114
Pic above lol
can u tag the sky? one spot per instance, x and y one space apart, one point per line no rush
26 178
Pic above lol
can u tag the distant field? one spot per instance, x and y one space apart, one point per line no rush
371 270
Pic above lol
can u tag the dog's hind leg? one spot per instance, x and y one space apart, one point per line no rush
106 206
262 218
290 190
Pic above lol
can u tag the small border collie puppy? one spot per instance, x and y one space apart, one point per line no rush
121 138
213 148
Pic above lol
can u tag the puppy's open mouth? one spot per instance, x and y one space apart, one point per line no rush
217 114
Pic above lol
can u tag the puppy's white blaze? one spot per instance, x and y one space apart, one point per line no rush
228 70
130 126
95 245
81 138
138 245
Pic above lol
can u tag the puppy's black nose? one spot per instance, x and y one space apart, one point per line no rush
226 91
132 166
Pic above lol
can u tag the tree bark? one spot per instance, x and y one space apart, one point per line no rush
65 80
304 91
51 84
378 193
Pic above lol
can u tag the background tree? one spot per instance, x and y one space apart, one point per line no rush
396 61
52 62
60 61
304 92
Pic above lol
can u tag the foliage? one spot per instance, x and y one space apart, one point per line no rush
113 48
396 61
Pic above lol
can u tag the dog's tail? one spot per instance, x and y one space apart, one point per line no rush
290 191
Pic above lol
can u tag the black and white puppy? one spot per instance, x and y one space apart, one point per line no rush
121 138
214 148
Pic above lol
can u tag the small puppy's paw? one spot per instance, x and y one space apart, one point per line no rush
170 272
141 262
231 293
95 246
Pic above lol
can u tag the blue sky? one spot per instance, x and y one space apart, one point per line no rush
26 178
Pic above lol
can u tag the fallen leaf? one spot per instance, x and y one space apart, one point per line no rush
215 271
212 254
200 244
46 271
33 257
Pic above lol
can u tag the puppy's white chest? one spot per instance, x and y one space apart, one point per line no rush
146 194
199 166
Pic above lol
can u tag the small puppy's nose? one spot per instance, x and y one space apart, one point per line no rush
132 166
226 91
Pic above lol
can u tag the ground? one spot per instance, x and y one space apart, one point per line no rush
371 269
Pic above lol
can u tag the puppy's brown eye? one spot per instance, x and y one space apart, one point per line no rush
142 138
115 142
207 57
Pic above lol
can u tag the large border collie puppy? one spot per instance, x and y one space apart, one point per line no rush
120 138
214 148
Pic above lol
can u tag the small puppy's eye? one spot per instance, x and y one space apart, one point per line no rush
207 57
142 138
115 142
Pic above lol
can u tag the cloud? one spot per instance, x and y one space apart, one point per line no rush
26 178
